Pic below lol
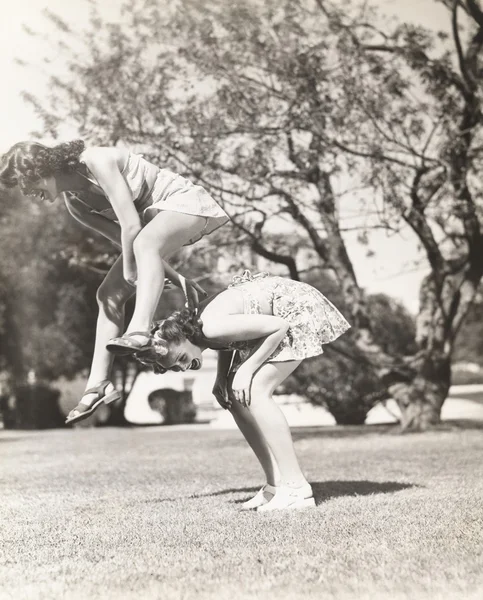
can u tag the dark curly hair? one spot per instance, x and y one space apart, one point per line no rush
182 324
27 162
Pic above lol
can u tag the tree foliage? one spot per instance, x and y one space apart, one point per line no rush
48 298
342 380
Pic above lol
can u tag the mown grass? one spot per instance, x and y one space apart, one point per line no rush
154 513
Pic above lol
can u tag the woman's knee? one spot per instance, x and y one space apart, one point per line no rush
262 387
146 244
259 392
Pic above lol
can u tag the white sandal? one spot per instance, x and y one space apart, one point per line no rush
264 495
289 498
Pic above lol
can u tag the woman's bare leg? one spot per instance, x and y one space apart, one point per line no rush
272 423
251 432
166 233
112 296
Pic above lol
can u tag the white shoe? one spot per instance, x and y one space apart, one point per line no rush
263 496
289 498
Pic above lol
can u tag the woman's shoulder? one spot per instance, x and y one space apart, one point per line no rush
93 156
224 302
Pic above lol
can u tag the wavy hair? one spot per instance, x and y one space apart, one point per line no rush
182 325
27 162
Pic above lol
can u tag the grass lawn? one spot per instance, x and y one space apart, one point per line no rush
153 513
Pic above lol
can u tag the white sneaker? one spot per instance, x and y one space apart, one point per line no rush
289 498
263 496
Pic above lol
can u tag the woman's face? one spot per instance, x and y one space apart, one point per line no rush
182 356
45 189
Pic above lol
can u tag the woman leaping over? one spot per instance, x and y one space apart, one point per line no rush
263 327
148 212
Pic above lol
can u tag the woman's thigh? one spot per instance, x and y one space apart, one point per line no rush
169 231
270 376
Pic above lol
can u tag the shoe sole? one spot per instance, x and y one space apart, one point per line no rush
253 506
112 397
304 503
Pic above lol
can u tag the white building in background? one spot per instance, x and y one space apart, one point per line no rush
200 383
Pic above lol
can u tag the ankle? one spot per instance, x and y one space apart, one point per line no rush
270 487
93 381
274 482
294 483
138 331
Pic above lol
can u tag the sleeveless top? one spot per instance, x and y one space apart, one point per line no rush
155 189
140 176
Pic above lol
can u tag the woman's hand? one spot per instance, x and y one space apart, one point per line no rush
191 291
220 391
241 385
130 274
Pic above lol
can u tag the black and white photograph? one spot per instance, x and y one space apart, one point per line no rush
241 300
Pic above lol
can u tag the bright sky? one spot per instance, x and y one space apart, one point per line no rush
393 255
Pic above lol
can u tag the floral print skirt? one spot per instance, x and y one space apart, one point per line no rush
314 320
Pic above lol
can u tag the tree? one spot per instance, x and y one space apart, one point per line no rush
291 111
49 306
343 381
469 341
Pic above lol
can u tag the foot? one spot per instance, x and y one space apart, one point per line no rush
289 498
264 495
130 343
103 393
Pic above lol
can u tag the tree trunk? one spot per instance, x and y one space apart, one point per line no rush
420 401
444 301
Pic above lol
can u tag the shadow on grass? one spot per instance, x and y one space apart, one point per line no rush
323 490
353 431
343 431
326 490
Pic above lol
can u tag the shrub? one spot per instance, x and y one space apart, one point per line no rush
347 389
32 407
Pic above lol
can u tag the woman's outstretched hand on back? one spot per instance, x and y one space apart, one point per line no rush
192 292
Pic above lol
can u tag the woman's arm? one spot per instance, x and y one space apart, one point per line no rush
112 231
103 163
220 388
242 327
81 213
190 288
224 362
269 329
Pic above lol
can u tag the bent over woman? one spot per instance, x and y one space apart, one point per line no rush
263 327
